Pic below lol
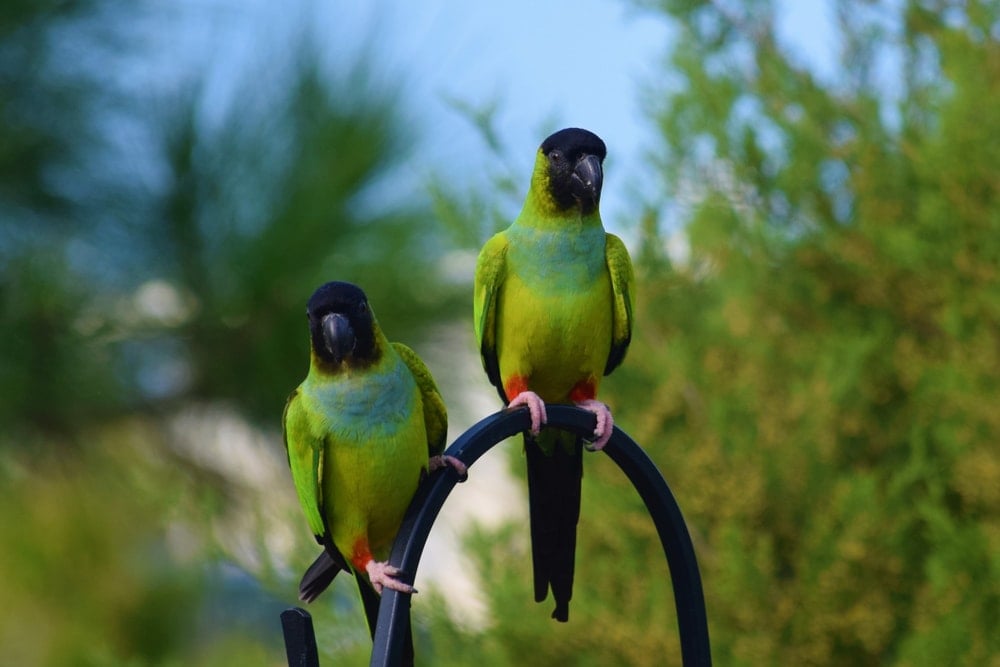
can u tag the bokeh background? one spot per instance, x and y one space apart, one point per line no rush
810 194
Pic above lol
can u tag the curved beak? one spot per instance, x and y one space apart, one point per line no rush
588 178
338 336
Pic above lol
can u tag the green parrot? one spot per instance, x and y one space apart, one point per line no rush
361 431
553 314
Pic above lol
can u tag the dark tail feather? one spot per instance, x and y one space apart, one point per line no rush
370 599
319 576
554 506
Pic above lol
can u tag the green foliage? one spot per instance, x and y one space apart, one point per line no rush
54 376
49 375
88 573
250 262
831 353
830 356
183 270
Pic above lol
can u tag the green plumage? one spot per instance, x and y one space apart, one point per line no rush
358 431
553 305
358 441
553 308
553 296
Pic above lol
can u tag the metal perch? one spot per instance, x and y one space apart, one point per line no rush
688 596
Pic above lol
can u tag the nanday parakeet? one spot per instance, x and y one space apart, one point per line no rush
553 314
362 429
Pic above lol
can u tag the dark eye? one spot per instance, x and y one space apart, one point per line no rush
556 155
362 307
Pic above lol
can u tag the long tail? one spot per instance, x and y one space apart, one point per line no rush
555 471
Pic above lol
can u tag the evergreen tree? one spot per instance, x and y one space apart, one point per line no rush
818 378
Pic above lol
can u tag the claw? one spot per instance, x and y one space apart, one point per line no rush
536 406
382 575
445 460
605 423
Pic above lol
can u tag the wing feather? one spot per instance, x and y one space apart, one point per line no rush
305 458
491 270
435 413
623 288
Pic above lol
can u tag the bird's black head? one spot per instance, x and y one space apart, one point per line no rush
342 326
575 158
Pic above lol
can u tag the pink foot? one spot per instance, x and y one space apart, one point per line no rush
384 575
445 460
605 423
535 406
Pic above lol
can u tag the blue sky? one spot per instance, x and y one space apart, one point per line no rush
546 64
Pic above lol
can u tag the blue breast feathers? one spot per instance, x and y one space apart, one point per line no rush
376 403
554 260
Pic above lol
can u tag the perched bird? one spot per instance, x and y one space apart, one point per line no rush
553 314
361 431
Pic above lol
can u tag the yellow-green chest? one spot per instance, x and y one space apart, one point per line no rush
554 311
375 450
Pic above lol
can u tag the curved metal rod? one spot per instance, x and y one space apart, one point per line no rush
689 599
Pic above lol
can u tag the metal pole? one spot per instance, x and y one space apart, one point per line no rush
300 639
688 595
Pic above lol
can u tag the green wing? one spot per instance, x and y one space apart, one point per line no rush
623 287
435 413
305 458
491 269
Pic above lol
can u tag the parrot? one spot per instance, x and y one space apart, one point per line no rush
361 431
553 302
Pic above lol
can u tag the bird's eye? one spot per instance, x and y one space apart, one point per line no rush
362 307
555 156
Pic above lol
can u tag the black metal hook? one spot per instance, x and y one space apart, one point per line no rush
689 599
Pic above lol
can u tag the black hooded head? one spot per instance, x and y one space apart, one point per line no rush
576 159
341 325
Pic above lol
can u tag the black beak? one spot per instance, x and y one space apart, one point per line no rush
588 178
338 336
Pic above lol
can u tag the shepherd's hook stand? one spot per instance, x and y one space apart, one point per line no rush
394 616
